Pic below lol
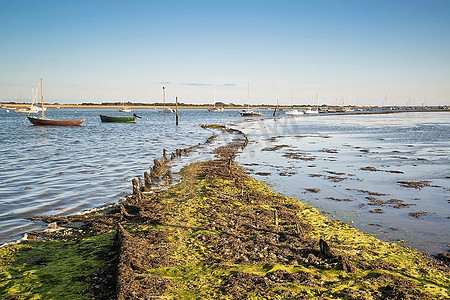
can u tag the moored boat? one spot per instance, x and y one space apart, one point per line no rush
42 121
216 109
247 112
250 113
118 119
294 112
124 108
55 122
33 108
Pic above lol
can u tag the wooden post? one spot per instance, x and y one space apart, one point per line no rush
164 158
176 118
275 216
42 99
276 107
325 250
147 180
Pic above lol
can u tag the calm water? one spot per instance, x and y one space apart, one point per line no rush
324 160
60 171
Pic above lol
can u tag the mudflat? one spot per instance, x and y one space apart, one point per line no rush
218 234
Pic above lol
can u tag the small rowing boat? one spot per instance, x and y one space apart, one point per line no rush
118 119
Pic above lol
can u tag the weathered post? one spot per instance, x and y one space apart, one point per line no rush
147 180
176 117
275 217
276 107
164 158
325 250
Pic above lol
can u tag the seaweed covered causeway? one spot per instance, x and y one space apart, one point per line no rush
218 234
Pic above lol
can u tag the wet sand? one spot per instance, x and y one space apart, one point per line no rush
355 170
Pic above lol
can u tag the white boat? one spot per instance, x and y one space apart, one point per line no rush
125 109
247 112
293 111
33 108
250 113
312 110
169 110
27 110
216 108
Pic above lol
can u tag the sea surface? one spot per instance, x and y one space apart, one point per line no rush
388 174
66 170
334 162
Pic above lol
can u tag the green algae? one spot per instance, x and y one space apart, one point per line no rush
51 269
216 238
383 269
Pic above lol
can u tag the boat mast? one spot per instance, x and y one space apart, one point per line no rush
42 99
248 96
164 102
317 101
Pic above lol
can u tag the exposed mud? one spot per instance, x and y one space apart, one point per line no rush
299 156
418 215
373 169
275 148
414 184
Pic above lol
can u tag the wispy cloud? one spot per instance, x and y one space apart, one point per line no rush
197 84
207 84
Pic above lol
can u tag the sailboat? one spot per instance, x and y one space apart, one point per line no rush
249 112
312 110
215 108
42 121
33 108
125 109
293 111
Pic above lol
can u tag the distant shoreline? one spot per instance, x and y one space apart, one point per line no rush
373 109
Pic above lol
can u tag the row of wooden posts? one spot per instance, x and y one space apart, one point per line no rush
159 173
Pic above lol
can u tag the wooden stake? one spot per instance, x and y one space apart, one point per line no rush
276 107
176 118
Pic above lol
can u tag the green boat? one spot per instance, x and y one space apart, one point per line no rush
118 119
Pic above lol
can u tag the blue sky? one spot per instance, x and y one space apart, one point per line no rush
349 52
